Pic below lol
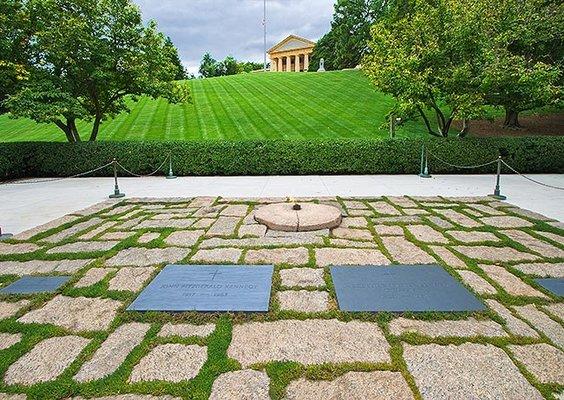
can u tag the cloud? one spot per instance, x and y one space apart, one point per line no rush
234 27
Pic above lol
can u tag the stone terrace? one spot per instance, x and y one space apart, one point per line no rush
81 343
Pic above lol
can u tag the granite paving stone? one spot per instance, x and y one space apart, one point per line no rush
405 252
350 233
426 234
556 310
302 277
458 218
473 236
267 240
223 226
202 202
543 323
529 214
507 222
246 384
545 270
552 236
381 207
9 309
337 256
252 230
18 248
98 207
227 255
354 222
186 330
170 362
73 230
76 314
46 361
542 360
112 352
388 230
165 223
415 211
83 247
96 231
401 219
477 283
148 237
355 205
93 276
28 234
41 266
129 224
294 256
203 223
116 235
308 342
235 210
494 254
7 340
438 221
353 243
119 210
376 385
131 278
545 249
446 328
142 257
402 201
184 238
467 371
485 209
513 324
509 282
170 216
303 300
11 396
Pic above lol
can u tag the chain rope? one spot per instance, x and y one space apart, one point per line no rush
24 182
531 179
461 166
143 176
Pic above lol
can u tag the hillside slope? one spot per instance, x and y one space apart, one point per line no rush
249 106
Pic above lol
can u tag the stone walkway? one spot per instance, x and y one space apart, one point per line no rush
81 343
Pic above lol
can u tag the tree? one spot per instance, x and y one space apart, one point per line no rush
208 66
347 41
430 60
229 66
86 57
524 55
15 30
172 52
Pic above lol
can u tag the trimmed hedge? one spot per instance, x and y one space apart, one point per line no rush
282 157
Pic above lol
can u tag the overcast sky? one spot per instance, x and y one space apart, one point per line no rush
234 27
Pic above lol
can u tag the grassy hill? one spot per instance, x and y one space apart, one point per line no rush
251 106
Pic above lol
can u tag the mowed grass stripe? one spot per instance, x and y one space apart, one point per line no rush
247 106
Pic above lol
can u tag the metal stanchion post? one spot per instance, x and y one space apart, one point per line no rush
170 174
117 194
424 172
497 192
4 236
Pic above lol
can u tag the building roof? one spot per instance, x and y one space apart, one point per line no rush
292 42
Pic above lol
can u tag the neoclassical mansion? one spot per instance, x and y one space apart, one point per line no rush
291 54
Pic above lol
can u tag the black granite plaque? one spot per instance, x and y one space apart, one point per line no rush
553 285
35 284
415 288
207 288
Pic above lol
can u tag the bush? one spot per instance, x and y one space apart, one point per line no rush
282 157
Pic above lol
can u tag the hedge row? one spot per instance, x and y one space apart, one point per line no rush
282 157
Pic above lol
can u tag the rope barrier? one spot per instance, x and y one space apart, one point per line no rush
531 179
143 176
58 179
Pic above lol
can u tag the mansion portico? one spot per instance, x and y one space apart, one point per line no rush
291 54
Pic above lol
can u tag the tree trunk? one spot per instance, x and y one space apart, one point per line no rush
67 131
511 119
95 129
74 131
465 128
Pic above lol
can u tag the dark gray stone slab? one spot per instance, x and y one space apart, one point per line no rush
35 284
553 285
6 236
207 288
415 288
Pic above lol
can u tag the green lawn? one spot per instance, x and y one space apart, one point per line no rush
251 106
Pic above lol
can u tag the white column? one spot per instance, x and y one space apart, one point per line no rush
298 62
306 62
279 64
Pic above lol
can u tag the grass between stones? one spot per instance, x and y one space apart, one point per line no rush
280 373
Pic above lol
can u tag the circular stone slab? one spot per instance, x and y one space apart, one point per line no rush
312 217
